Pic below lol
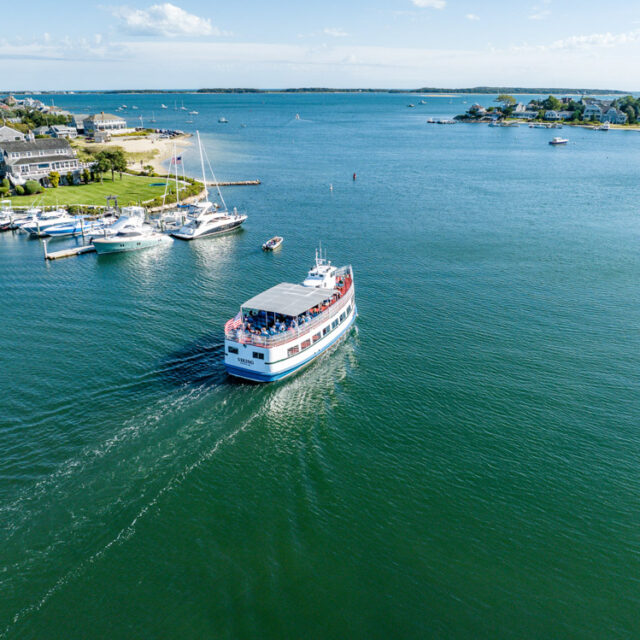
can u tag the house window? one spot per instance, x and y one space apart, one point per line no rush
232 349
292 351
305 344
258 355
316 337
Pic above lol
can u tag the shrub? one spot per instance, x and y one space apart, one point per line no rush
54 179
4 192
19 190
32 187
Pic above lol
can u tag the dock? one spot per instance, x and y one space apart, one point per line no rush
67 253
235 183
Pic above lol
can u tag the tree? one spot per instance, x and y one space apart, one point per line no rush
69 178
552 104
102 163
631 114
54 179
506 100
113 160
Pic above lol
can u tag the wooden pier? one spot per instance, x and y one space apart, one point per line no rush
67 253
235 183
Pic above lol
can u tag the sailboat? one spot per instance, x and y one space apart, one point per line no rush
153 117
183 108
206 218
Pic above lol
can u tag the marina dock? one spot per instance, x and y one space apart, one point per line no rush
236 183
67 253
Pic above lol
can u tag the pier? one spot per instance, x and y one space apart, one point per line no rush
67 253
235 183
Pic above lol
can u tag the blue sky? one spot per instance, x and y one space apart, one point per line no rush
392 43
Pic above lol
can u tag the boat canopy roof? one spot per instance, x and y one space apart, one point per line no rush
288 299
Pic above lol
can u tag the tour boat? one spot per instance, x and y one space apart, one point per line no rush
129 234
273 244
206 218
558 140
286 327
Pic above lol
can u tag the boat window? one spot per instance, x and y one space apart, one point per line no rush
305 344
348 309
316 337
233 350
342 317
258 355
293 350
334 324
325 331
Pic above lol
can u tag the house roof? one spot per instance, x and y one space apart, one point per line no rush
10 133
288 299
103 117
41 144
39 159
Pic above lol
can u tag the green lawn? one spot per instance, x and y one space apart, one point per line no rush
129 190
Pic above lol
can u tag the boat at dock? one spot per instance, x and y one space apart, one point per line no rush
129 234
6 215
206 218
40 224
273 243
557 141
286 327
80 226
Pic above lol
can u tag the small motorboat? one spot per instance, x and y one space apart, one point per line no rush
222 120
411 106
557 140
193 113
163 106
273 243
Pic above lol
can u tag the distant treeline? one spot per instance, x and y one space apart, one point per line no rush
490 90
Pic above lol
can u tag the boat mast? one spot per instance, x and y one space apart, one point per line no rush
204 178
175 164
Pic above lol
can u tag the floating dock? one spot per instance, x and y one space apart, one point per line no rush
67 253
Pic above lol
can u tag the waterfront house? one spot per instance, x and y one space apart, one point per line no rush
63 131
44 130
592 111
34 160
614 116
7 134
104 122
77 121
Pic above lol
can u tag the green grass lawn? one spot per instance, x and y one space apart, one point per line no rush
129 190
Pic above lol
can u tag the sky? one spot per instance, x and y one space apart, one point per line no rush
190 44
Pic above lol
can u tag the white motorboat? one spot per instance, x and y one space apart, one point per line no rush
286 327
273 243
129 234
163 106
6 215
206 218
605 126
223 120
38 227
80 226
557 141
193 113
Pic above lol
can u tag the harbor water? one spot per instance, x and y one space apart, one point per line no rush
466 464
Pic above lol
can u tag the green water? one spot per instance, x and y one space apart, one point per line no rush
464 465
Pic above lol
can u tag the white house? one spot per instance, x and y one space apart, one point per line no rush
592 110
21 161
104 122
551 114
63 131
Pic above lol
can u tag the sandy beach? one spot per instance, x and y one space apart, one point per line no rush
148 150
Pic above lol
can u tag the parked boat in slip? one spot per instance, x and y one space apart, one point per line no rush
129 233
286 327
38 226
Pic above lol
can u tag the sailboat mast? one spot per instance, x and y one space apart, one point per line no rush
204 177
175 164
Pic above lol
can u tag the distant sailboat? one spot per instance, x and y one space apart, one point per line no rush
297 116
153 117
183 108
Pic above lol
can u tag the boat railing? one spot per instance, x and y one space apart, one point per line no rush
260 340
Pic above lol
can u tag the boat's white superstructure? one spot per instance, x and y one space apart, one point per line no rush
286 327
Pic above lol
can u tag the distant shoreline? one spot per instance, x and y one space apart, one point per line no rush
432 91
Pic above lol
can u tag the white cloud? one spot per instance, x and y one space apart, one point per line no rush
164 20
432 4
472 16
335 32
539 13
595 40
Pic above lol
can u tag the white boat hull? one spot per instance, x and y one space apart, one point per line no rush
215 231
119 245
276 363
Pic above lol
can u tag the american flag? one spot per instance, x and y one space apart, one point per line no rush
234 323
176 160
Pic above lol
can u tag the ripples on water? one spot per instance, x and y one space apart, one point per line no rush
463 465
